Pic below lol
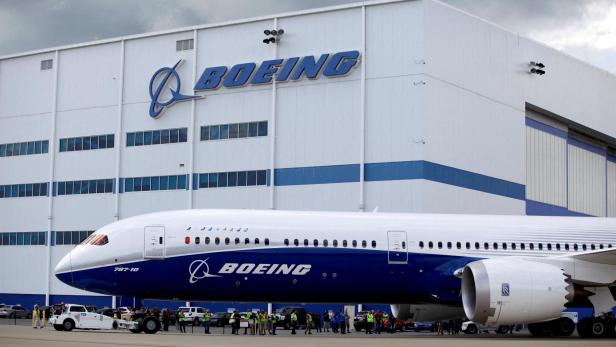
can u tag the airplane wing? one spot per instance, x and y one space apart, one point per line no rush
604 256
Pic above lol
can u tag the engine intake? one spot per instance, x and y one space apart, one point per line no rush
509 291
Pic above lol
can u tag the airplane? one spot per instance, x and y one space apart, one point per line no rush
492 269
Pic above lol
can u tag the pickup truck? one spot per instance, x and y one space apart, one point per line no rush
78 317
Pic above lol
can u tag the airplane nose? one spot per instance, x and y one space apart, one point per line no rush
64 270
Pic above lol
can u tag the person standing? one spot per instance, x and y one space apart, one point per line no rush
392 324
369 322
317 322
293 322
378 320
326 321
36 319
182 319
232 322
166 319
342 323
274 320
206 321
308 324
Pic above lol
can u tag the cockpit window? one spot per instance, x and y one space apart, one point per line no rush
96 240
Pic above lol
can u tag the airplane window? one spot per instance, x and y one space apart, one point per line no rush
296 242
575 247
592 246
197 240
187 240
468 245
286 242
364 244
449 245
440 244
540 246
256 241
495 245
600 246
486 245
266 241
523 246
374 244
335 243
584 246
247 241
160 240
609 245
476 245
532 246
558 246
325 243
458 245
354 243
305 242
227 241
504 245
344 243
237 240
217 241
566 246
403 244
549 246
99 240
315 243
430 245
513 245
421 244
207 240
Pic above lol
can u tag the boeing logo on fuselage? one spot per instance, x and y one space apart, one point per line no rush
199 269
239 75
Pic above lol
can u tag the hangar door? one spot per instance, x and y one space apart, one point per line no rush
154 242
397 247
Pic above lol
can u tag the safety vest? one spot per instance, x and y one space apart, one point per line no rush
232 319
181 317
370 318
274 318
206 317
309 317
293 317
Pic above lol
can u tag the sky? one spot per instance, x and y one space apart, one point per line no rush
585 29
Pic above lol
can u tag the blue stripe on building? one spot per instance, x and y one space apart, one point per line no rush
536 208
586 146
546 128
316 175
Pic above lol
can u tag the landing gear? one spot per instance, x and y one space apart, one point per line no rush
597 327
560 327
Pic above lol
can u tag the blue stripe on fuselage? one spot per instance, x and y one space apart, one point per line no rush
336 275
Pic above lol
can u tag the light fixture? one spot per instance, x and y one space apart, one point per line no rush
273 36
537 68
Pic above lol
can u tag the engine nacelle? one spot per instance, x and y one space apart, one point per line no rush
509 291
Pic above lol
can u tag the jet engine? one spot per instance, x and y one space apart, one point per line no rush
507 291
426 312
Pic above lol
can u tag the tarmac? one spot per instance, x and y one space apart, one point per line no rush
25 336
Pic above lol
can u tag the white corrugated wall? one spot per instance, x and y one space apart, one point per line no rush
586 182
611 189
546 167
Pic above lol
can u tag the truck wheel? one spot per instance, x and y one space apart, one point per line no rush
502 329
114 325
563 327
58 327
151 325
68 324
471 329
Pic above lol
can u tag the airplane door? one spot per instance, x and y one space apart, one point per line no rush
154 242
397 247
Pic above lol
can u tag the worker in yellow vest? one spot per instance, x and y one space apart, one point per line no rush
36 318
370 321
293 322
308 324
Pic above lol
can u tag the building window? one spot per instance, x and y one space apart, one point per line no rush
86 143
29 238
85 187
156 137
47 64
184 45
23 190
232 179
153 183
233 131
24 148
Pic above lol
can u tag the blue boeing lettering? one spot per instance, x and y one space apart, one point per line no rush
239 75
211 78
341 63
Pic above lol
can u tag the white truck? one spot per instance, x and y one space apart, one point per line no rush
193 314
77 317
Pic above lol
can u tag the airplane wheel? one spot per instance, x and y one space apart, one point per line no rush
539 329
471 329
502 329
598 328
151 325
611 327
584 327
58 327
68 325
563 327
